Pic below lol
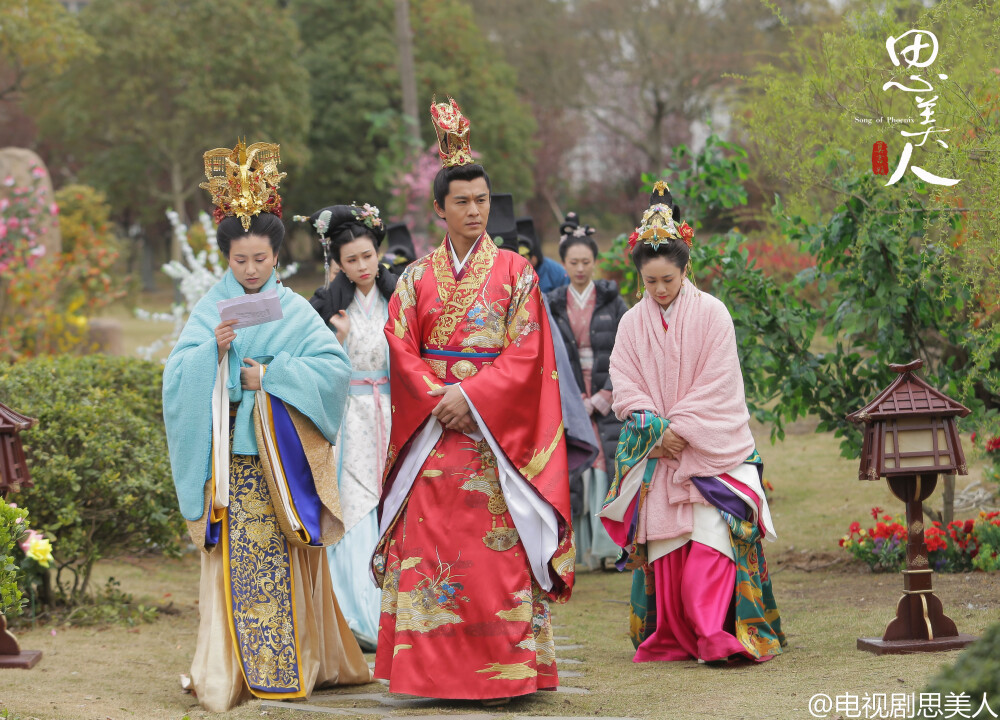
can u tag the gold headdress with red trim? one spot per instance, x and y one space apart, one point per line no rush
658 224
452 129
244 181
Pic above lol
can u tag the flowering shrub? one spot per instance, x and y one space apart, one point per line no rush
46 298
987 531
16 577
882 547
779 260
12 530
413 200
989 445
24 219
958 547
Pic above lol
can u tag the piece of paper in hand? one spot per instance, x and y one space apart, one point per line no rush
256 309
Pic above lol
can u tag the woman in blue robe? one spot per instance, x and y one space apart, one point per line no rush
251 414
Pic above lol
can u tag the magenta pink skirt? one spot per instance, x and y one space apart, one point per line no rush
694 589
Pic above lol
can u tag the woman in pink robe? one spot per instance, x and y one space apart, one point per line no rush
687 502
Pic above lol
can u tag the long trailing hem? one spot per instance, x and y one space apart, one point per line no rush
462 616
359 598
593 544
270 625
693 593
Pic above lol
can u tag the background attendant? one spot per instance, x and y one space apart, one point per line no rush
587 313
355 306
399 251
551 275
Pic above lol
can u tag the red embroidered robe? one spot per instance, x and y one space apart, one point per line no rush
462 614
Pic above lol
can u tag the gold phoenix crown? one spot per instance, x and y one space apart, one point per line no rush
244 181
452 129
658 225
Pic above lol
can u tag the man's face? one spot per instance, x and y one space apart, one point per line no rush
466 208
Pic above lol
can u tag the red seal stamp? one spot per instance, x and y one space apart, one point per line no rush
880 158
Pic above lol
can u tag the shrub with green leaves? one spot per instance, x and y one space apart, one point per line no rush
975 675
12 527
98 458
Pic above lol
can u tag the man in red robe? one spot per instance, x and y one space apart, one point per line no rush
474 516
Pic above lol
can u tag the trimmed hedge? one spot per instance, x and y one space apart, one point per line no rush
98 458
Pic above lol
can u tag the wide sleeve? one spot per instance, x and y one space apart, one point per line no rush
188 379
630 388
312 372
517 396
712 415
411 378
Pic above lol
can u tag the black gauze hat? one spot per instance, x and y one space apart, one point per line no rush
501 223
400 242
526 229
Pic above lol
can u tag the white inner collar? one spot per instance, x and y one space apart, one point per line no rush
366 301
582 298
459 264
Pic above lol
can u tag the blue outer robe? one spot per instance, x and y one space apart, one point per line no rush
306 368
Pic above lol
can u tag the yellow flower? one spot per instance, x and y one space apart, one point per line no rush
39 549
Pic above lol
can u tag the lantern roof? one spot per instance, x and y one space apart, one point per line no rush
13 421
908 395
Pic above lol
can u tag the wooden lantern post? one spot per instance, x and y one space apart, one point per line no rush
13 476
909 438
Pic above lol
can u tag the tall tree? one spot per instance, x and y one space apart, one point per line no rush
36 37
539 40
407 69
355 137
654 66
171 80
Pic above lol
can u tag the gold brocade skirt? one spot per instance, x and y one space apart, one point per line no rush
327 652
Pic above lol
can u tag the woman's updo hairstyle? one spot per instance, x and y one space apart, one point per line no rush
572 233
671 233
267 224
348 223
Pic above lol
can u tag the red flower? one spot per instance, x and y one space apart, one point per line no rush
876 511
934 539
887 518
687 233
855 527
968 525
219 215
632 239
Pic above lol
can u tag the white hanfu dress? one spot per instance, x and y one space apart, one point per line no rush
361 450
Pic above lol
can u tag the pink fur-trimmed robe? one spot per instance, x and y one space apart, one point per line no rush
689 374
